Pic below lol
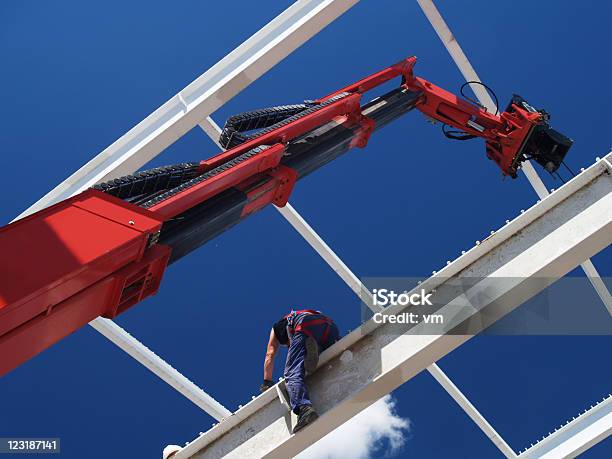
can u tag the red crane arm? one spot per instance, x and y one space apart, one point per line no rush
97 255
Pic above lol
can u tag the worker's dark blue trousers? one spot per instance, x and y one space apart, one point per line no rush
294 368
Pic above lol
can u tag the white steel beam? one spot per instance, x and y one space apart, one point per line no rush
159 367
246 63
315 241
211 129
471 410
578 435
544 243
452 46
598 284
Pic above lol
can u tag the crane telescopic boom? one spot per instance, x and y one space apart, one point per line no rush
102 251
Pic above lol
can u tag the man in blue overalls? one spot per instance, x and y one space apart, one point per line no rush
306 332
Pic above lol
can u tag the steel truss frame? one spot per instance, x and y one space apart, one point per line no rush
193 105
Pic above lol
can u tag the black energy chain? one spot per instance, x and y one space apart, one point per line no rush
148 188
149 181
269 119
207 175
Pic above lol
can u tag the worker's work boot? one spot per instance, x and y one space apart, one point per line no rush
312 355
306 416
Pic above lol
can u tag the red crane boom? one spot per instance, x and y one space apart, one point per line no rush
106 249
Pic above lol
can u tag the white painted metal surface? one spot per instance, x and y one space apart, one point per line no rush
211 129
166 372
250 60
471 410
598 284
578 435
545 242
468 72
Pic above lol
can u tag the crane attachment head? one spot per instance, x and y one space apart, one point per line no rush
519 133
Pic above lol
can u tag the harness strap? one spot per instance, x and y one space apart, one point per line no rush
326 333
304 326
293 314
301 326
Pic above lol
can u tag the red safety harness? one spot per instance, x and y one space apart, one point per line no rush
304 326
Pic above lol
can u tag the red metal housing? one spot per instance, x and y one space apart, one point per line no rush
70 263
505 135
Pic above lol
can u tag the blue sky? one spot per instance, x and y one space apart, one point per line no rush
77 75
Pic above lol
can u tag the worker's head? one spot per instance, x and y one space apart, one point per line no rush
280 331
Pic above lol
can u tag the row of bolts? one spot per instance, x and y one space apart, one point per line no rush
552 190
566 423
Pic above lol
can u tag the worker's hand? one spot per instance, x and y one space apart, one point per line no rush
266 385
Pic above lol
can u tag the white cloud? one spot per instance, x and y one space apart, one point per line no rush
363 436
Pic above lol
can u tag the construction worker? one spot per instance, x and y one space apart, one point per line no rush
307 332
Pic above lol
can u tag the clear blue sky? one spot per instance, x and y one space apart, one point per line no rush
77 75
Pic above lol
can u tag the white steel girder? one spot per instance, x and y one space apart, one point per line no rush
471 410
159 367
576 436
545 242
